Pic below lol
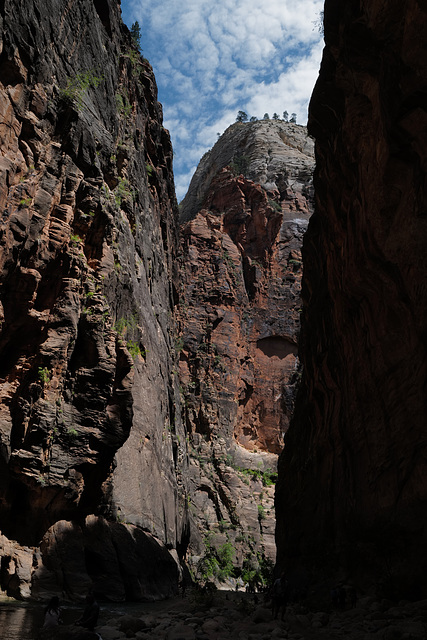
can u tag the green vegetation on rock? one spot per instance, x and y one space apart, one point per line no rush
77 86
217 563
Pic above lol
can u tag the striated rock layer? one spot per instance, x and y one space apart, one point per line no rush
241 273
352 480
88 397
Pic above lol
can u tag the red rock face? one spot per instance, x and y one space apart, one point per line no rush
353 474
241 273
232 310
88 231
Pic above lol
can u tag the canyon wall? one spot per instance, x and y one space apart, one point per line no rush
352 479
134 435
244 216
92 455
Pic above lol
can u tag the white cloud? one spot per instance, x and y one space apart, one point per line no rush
182 180
291 91
212 59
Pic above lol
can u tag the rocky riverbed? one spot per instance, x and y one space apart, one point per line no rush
226 615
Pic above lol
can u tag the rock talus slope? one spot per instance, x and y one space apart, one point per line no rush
89 428
352 484
246 211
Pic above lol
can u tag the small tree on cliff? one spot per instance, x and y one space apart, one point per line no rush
275 116
266 116
285 116
242 116
293 118
135 32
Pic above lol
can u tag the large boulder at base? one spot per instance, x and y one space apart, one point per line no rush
116 561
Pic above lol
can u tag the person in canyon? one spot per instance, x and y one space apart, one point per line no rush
52 616
279 596
90 614
338 597
182 586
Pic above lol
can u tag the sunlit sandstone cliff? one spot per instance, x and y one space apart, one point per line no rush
91 462
353 476
247 209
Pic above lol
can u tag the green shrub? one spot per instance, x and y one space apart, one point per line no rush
134 349
231 267
217 563
41 480
123 105
179 344
275 205
76 87
239 165
75 239
257 570
123 324
44 375
134 57
120 326
123 192
267 477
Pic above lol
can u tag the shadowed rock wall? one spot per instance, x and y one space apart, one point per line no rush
87 244
352 480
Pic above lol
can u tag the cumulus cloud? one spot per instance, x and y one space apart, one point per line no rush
212 59
291 90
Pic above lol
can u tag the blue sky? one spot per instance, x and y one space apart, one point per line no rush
213 59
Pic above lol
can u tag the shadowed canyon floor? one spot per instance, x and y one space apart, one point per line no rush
235 615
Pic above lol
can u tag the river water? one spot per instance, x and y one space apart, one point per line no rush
20 621
23 621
